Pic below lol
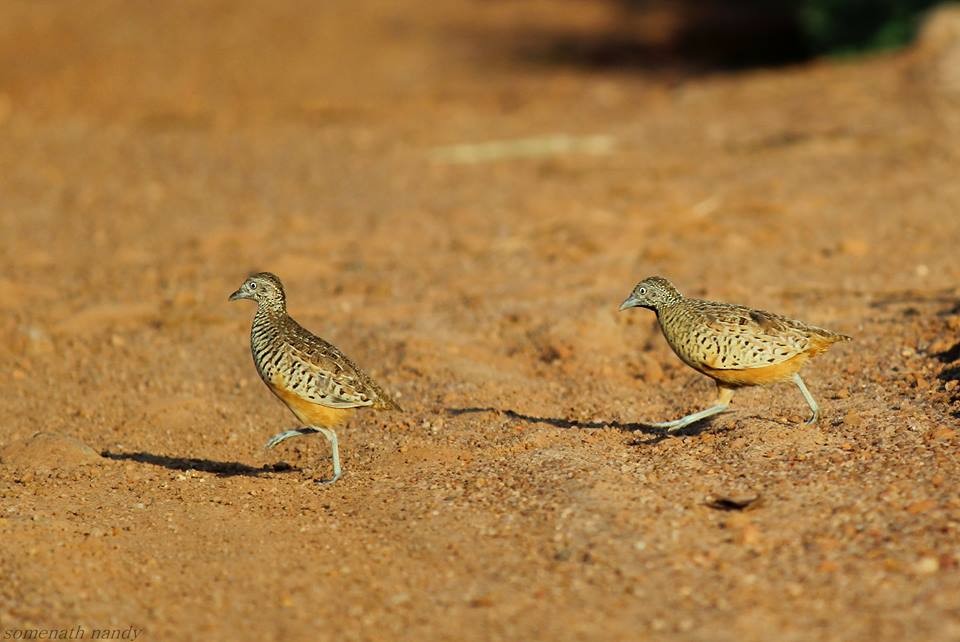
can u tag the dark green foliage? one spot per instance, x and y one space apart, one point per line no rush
845 26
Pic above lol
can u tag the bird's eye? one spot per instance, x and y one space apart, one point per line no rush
643 290
253 285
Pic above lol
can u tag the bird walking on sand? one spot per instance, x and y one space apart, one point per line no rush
734 345
316 381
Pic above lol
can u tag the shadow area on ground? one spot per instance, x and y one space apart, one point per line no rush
951 371
949 355
220 468
681 39
657 434
557 422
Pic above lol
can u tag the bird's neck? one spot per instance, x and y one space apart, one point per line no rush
271 309
667 308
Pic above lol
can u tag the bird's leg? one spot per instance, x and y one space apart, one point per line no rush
724 395
287 434
335 450
309 430
809 398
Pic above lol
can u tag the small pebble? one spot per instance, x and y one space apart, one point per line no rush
943 433
854 247
927 565
852 419
921 507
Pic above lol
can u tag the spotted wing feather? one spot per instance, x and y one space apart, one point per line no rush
329 377
744 338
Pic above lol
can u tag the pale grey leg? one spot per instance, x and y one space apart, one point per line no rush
683 422
335 450
810 400
724 395
274 441
309 430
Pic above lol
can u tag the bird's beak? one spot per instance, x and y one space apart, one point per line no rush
236 296
630 302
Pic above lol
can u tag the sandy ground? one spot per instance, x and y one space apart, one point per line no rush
150 159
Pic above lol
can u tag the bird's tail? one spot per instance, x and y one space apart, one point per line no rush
385 402
821 341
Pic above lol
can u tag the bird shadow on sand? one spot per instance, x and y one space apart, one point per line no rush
951 360
656 435
220 468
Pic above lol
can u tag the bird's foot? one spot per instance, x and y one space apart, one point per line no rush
328 482
673 427
813 419
676 424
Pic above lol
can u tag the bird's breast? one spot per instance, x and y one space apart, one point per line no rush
267 347
689 339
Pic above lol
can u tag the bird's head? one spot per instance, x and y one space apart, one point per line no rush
264 288
652 293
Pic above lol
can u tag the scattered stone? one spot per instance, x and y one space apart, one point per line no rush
921 507
733 502
482 601
943 433
852 419
745 532
749 535
49 451
948 562
927 565
828 566
652 371
38 341
939 346
854 247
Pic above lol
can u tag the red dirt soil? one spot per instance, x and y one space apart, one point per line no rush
154 154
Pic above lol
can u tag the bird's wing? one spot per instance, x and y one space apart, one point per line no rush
318 372
329 377
748 338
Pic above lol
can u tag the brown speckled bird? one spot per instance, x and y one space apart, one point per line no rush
734 345
319 384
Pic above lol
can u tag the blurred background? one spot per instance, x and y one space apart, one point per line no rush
459 194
